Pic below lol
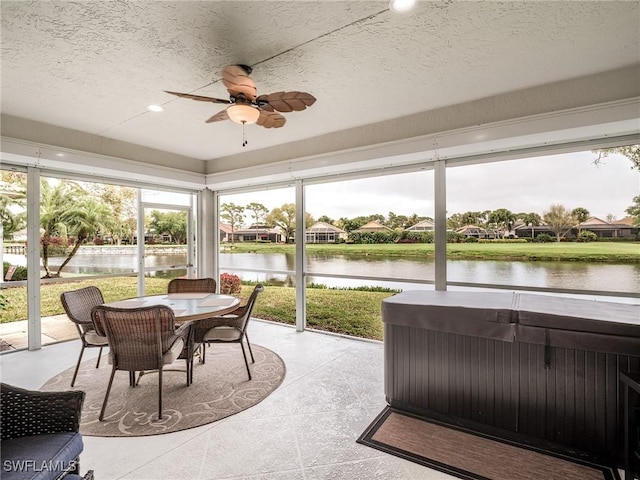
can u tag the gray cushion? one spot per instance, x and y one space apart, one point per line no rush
94 339
174 351
223 334
39 457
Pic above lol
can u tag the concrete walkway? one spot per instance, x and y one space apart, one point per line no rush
13 335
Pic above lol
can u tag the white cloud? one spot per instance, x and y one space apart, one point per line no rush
527 185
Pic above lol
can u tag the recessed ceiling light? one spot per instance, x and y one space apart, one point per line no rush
59 154
155 108
400 6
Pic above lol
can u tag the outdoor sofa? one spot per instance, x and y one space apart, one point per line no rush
40 434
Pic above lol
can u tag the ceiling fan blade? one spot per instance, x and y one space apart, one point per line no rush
237 81
218 117
270 120
200 98
286 101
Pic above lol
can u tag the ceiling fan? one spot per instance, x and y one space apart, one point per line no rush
245 107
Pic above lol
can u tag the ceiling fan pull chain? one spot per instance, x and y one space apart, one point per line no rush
244 134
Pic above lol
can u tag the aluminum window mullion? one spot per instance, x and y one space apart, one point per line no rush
440 234
34 327
300 259
140 244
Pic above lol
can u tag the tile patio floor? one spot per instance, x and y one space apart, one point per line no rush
307 429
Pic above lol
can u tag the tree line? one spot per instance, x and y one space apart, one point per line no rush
557 218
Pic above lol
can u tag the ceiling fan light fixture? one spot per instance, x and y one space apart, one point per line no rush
242 113
401 6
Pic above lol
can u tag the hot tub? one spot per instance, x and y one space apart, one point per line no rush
545 367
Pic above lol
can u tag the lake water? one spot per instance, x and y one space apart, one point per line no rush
556 275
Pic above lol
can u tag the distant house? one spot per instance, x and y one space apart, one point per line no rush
258 232
225 232
617 229
423 226
373 227
527 231
478 232
322 232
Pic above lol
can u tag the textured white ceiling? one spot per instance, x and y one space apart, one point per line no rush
95 66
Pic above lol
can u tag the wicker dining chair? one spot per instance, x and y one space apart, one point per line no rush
230 328
191 285
78 305
141 339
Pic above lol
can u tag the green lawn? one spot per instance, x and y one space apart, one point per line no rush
112 289
342 311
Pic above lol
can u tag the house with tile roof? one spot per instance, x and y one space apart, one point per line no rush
373 227
225 232
615 229
323 232
423 226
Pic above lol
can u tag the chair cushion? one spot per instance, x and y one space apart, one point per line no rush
174 352
39 457
94 339
222 334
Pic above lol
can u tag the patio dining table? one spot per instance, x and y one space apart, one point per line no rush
186 306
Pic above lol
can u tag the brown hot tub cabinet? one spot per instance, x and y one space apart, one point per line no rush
544 367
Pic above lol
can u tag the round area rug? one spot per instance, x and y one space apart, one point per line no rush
220 388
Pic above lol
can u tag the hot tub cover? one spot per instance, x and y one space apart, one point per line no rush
606 327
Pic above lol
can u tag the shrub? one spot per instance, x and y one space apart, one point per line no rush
455 237
544 238
230 284
587 236
56 246
18 275
373 237
471 240
421 237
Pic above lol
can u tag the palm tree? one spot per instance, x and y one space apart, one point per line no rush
502 218
91 218
11 194
580 214
66 210
533 220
